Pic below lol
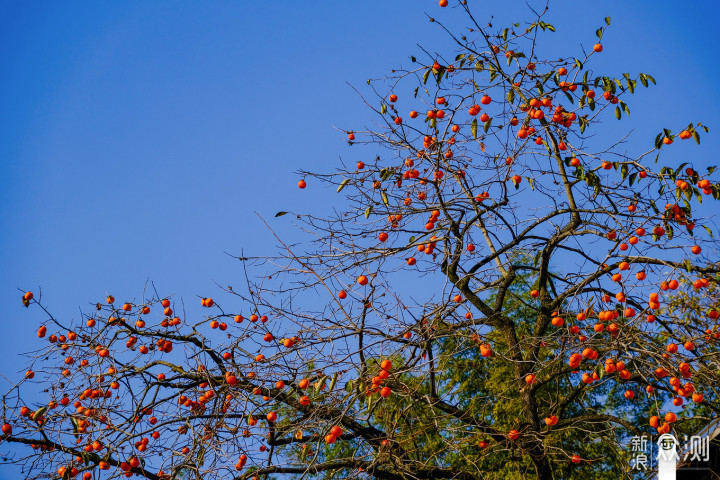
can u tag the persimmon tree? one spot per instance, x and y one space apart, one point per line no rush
488 299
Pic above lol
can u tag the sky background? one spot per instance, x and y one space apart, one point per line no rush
139 139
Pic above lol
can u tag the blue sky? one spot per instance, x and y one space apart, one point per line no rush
138 139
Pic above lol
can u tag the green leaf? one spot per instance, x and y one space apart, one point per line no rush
386 173
75 425
618 114
608 85
280 214
707 229
658 141
367 211
333 382
550 27
688 194
511 95
607 20
39 413
319 384
580 172
531 182
341 186
426 75
504 34
632 178
201 456
383 108
412 239
369 402
583 124
688 265
599 33
623 171
536 260
413 59
696 137
384 197
473 128
643 80
486 127
650 78
416 92
654 207
625 107
669 232
548 75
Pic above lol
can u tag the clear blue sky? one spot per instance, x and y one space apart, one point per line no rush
137 139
